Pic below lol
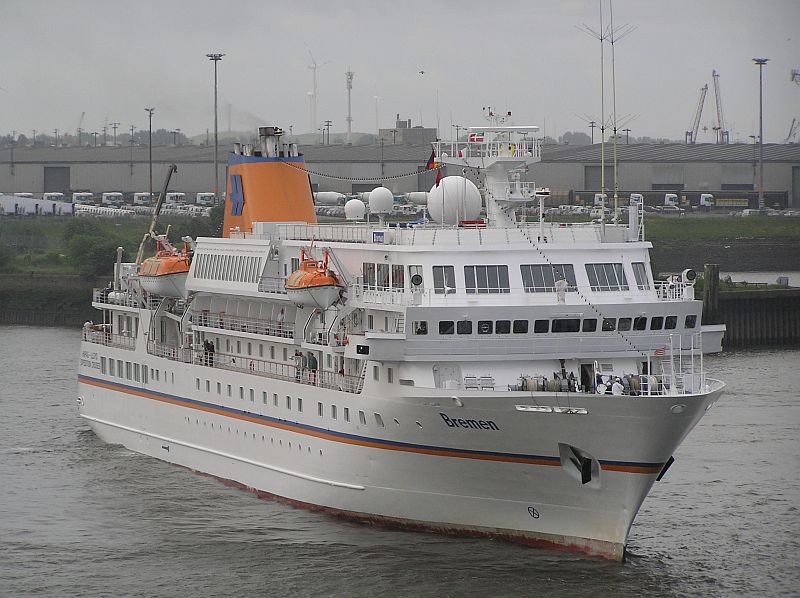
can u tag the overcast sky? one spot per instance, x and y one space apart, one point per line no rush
112 59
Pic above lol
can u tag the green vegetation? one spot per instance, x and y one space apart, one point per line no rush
698 229
87 246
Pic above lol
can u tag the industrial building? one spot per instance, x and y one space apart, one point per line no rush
731 168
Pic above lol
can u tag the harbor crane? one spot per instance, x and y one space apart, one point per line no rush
691 134
722 132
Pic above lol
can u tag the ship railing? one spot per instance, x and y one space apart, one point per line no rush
127 299
638 385
171 352
673 290
101 334
281 371
272 284
226 321
326 232
525 148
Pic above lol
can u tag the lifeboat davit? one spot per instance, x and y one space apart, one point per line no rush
165 273
313 283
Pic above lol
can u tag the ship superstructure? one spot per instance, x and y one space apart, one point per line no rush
520 379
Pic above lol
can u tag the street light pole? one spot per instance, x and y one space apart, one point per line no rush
592 125
626 131
760 62
215 58
114 128
150 146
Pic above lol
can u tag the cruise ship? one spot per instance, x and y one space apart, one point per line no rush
484 373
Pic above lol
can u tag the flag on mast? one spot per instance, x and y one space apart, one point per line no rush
431 161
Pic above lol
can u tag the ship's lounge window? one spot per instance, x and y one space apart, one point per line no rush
609 324
624 324
197 382
589 325
502 327
274 399
566 325
288 402
379 420
486 279
229 390
464 327
362 418
656 322
128 370
368 271
263 396
446 327
102 365
640 323
640 273
136 372
541 326
671 323
389 375
333 412
444 280
111 367
420 328
398 278
299 404
485 326
347 414
606 277
376 373
520 326
241 392
382 276
541 278
690 321
252 396
320 409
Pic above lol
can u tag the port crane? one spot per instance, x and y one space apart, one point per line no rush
722 132
691 134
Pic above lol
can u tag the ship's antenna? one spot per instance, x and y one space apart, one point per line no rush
601 35
613 36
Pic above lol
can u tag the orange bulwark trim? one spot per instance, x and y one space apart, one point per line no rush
352 439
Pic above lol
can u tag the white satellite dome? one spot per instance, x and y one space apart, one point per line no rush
355 209
381 201
455 199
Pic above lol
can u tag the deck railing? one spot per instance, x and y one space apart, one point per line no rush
281 371
172 352
101 334
243 324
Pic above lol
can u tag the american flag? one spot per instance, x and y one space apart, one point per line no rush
660 352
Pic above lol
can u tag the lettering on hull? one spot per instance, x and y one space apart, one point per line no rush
475 424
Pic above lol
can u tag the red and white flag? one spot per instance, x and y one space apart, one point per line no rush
476 137
660 352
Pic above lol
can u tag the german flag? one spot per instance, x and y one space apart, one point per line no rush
431 161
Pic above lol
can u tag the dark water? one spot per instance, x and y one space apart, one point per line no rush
81 518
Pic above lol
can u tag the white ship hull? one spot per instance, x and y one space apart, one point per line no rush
507 483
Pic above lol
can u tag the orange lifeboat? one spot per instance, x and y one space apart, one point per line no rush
313 283
166 272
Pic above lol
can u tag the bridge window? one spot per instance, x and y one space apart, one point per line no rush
589 325
541 326
567 325
444 280
541 278
420 328
609 324
690 321
607 277
502 327
382 276
464 327
656 322
624 324
640 323
671 323
485 326
398 279
486 279
446 327
520 326
640 273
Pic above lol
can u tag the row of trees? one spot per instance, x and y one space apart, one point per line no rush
160 137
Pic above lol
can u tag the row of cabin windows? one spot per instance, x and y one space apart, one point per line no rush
238 268
237 346
296 404
639 323
116 368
